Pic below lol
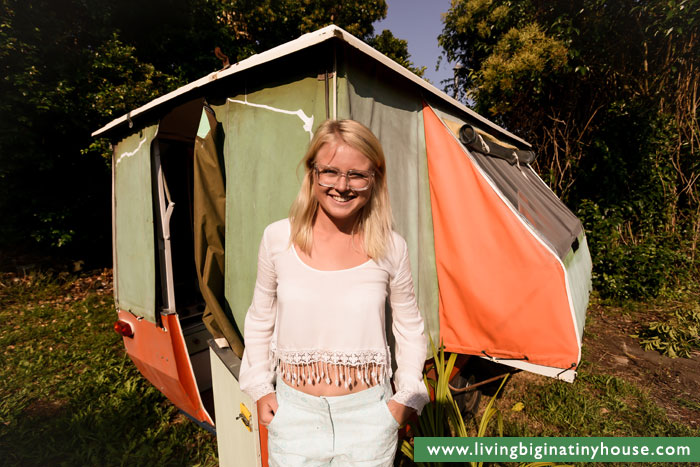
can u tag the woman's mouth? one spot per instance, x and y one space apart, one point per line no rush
342 198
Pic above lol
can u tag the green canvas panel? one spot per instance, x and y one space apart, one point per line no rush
394 113
134 229
265 139
578 274
342 94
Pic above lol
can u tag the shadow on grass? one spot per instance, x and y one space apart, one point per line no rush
69 394
131 424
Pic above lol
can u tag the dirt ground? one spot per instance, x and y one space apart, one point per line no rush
671 382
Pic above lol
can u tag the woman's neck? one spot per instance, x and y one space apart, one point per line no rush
327 226
335 245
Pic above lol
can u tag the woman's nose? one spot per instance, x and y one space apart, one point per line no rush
342 183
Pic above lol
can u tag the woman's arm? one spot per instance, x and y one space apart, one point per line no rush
411 343
257 369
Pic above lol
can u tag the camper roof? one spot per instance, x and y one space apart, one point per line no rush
303 42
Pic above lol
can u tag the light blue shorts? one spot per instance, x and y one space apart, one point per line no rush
352 430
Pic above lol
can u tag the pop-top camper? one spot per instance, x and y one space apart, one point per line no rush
501 267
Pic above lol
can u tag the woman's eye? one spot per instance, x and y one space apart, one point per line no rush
357 176
329 172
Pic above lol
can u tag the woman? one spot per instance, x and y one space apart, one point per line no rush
316 324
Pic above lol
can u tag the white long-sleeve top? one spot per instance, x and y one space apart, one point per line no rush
321 318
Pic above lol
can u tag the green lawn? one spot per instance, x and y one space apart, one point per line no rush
69 393
595 405
71 396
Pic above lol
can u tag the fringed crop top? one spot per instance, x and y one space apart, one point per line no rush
313 324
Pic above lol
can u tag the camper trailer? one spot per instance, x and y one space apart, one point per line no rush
501 267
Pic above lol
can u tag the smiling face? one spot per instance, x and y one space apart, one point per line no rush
340 203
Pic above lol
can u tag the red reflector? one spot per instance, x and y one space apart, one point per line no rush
123 328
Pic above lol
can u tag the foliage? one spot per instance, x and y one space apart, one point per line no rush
118 81
441 417
70 394
607 93
627 267
678 336
521 60
56 58
487 417
396 49
71 66
441 412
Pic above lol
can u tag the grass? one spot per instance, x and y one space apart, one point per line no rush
69 394
687 403
596 405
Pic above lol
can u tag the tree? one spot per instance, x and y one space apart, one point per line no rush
605 91
70 66
396 49
63 73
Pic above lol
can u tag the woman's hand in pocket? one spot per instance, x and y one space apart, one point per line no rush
400 412
267 408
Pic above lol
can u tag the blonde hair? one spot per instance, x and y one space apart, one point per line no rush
374 220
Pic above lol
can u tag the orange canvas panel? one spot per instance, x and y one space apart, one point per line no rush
263 444
161 356
501 292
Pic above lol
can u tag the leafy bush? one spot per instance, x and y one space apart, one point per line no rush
603 91
676 337
626 266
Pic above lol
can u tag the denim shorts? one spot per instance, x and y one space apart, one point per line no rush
351 430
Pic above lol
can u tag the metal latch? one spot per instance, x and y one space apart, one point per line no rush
245 416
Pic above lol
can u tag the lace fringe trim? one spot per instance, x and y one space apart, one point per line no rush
368 367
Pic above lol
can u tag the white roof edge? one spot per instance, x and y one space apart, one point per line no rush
358 44
302 42
305 41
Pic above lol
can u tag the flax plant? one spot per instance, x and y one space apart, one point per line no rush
442 417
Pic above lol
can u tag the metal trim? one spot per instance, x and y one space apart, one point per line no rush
165 210
114 231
